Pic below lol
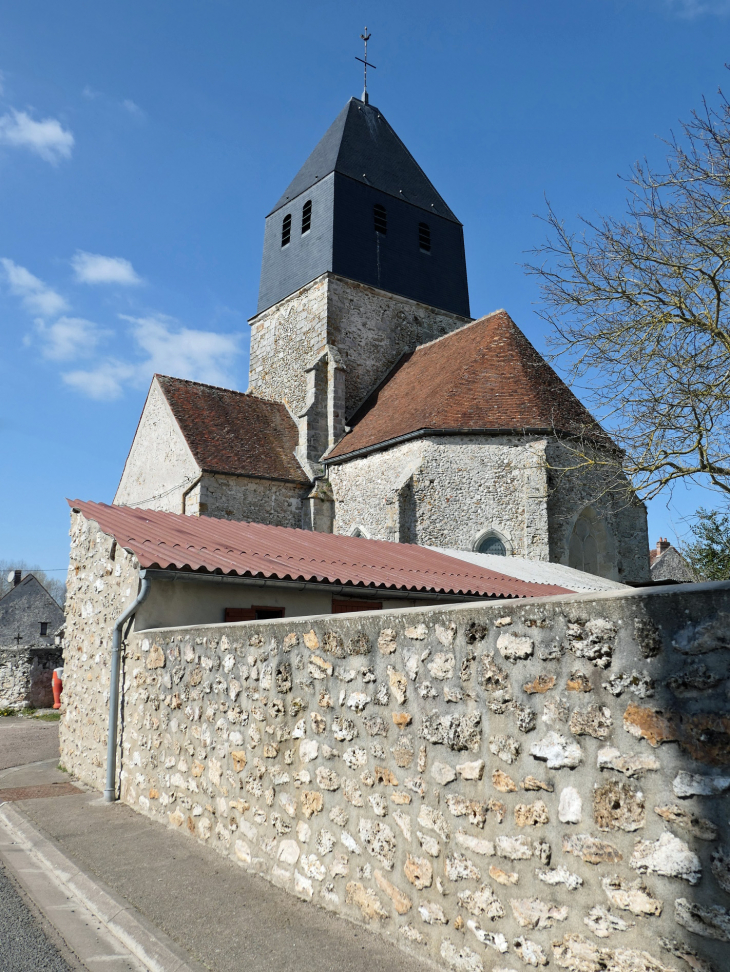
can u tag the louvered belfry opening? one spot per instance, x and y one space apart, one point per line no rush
380 218
424 237
307 216
286 231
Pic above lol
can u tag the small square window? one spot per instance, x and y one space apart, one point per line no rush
44 629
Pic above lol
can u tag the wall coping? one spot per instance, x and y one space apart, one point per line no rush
501 605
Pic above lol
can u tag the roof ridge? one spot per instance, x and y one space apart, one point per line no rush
233 391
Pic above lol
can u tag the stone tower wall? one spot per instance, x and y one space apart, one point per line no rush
369 328
491 786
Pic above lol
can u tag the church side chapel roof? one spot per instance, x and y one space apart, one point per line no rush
484 377
234 433
173 541
361 144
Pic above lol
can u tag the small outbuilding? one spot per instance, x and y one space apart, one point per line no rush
30 643
205 571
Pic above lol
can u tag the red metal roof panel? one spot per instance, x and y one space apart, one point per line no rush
172 541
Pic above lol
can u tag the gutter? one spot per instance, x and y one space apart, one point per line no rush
110 790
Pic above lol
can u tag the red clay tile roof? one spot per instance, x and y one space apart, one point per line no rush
234 433
484 377
200 543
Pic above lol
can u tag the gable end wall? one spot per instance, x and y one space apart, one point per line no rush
160 465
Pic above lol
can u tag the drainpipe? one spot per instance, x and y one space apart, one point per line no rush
110 789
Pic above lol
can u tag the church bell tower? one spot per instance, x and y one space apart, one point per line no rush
363 261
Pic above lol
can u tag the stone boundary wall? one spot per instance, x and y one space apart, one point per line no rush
492 786
25 676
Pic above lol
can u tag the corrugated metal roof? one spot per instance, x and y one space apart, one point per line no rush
173 541
536 571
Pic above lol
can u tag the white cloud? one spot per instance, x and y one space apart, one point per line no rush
103 383
93 268
182 351
37 298
166 348
69 338
690 9
133 108
89 92
46 138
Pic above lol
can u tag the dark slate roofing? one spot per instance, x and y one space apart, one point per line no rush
173 541
234 433
485 377
361 144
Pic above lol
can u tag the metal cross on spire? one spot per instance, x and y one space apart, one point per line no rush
366 38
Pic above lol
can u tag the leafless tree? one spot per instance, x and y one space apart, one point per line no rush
640 314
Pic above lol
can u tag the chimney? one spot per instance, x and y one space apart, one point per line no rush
662 545
17 577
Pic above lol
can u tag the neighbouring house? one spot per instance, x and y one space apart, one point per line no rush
668 564
30 643
207 571
377 406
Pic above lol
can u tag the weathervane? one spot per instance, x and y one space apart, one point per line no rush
366 38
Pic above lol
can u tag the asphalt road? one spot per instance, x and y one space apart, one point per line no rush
24 945
24 740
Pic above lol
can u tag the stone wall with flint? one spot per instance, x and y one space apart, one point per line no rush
492 786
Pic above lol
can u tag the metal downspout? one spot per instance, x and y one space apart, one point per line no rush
110 789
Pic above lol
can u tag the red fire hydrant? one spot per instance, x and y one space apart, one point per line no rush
57 686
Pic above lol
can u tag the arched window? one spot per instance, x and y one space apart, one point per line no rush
424 237
490 543
358 531
588 548
307 217
381 219
286 230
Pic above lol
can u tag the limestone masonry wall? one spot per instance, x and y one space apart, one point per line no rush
446 491
242 498
493 786
102 580
160 466
369 328
452 489
25 676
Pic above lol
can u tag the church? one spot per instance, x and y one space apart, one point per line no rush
377 406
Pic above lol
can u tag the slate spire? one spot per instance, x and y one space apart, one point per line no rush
416 250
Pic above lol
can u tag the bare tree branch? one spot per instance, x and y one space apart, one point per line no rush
640 314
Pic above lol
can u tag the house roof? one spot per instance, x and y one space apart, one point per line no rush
361 144
22 608
172 541
234 433
670 565
484 377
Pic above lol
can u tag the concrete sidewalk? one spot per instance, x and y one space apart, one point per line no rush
218 913
214 912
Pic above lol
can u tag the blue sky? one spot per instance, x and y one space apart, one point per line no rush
141 145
